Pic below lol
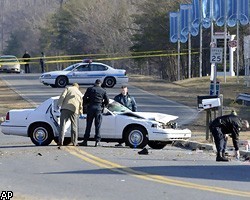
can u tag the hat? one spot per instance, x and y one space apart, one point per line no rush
98 81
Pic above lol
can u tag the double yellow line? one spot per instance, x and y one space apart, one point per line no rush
149 177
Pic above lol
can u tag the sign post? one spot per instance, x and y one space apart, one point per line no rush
216 55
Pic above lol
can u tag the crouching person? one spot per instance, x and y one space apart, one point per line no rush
223 126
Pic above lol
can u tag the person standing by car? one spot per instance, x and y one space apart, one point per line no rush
26 55
227 125
42 62
127 100
96 98
71 105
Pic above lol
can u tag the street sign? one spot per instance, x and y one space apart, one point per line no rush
232 43
216 55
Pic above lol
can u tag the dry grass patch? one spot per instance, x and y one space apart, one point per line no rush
9 99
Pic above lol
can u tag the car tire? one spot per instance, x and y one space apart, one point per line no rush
136 137
157 144
109 82
61 81
41 134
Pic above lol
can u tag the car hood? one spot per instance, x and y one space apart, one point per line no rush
56 73
159 117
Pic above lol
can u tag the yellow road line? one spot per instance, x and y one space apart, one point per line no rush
150 177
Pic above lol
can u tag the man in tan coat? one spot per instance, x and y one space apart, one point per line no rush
70 102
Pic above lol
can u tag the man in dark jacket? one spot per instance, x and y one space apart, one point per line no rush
125 99
26 59
128 101
220 127
96 98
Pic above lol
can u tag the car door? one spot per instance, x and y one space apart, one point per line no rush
97 71
80 74
108 127
55 118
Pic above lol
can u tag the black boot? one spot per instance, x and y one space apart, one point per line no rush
220 158
84 143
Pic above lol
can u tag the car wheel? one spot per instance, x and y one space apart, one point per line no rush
157 144
41 134
61 81
109 82
136 137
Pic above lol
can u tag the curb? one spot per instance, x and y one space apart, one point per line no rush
193 145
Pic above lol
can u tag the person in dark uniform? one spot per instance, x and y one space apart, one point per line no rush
127 100
96 98
227 125
42 62
26 55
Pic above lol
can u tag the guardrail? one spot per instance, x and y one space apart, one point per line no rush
244 98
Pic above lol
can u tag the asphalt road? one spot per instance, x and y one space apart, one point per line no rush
110 172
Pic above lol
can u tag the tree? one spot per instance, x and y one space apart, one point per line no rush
153 34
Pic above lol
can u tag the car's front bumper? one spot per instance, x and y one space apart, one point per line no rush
169 134
47 81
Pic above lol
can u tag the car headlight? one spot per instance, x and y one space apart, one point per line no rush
165 126
46 76
173 125
157 126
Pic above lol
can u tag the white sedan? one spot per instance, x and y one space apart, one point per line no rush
119 124
9 63
85 72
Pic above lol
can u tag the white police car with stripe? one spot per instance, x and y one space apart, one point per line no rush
85 73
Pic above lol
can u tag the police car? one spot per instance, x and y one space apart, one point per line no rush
86 73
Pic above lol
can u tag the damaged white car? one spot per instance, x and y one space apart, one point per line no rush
119 124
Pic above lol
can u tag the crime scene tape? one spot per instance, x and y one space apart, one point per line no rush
59 59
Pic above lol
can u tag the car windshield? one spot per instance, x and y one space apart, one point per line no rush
117 107
71 67
8 59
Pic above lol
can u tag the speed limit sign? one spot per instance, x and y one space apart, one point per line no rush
216 55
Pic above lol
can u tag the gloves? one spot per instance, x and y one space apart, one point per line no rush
81 116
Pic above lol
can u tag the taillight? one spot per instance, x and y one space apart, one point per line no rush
8 116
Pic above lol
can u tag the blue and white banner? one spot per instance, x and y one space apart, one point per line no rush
185 14
244 12
174 26
232 13
196 18
220 14
238 10
206 13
